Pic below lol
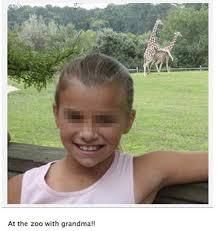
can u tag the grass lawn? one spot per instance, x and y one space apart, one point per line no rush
172 113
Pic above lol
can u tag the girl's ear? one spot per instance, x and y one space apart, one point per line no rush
55 111
130 121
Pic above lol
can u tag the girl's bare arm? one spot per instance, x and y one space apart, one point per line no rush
178 167
14 189
155 170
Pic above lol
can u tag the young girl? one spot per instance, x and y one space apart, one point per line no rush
93 109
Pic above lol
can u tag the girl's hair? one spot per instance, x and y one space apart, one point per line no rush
96 69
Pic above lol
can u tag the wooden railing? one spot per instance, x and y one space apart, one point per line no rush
22 157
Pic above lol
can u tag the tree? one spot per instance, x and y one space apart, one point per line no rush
136 18
34 57
192 49
127 48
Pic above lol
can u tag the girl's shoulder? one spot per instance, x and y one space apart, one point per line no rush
14 189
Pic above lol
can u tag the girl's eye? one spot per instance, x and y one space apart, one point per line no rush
75 118
105 119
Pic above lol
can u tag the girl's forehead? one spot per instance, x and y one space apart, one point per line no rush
107 96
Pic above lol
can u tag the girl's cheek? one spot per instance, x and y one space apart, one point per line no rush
112 133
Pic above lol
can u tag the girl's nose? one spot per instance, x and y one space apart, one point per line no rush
88 133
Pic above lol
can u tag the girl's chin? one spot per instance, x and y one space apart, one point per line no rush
90 158
87 163
91 162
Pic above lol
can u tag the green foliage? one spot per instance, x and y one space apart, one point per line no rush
136 18
192 48
98 24
36 50
127 48
27 65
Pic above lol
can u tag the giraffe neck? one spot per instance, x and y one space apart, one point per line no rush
153 33
172 44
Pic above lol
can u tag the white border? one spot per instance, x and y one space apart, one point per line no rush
123 218
92 4
4 109
210 104
3 126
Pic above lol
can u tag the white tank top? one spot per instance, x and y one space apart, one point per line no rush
114 187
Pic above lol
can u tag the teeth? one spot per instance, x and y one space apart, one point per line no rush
89 148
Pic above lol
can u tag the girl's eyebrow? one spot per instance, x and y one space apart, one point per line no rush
99 113
68 110
99 116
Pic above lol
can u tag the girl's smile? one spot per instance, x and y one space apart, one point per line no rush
89 150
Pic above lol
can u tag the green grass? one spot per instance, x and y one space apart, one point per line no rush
172 113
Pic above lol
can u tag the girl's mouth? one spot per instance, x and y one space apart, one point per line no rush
89 148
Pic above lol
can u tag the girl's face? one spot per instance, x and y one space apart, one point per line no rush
91 121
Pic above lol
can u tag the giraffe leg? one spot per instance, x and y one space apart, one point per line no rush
144 69
152 63
156 64
149 66
149 69
157 67
160 67
167 65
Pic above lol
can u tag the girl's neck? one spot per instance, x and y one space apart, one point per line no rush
75 168
67 175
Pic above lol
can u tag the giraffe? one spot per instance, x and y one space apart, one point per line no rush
151 47
161 55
